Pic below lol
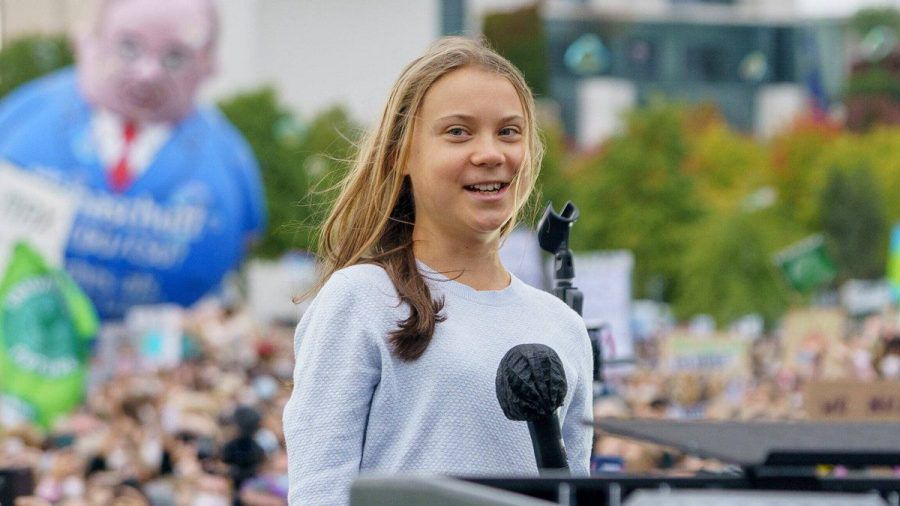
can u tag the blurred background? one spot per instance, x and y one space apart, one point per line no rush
736 164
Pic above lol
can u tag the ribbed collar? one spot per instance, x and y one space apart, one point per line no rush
439 282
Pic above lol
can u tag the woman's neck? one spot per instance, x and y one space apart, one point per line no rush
474 264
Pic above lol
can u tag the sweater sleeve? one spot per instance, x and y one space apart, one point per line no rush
578 435
337 369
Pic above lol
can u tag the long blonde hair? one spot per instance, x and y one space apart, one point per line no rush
373 216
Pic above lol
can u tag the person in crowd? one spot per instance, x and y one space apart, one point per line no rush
242 453
396 357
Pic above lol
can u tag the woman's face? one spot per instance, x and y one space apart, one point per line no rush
467 145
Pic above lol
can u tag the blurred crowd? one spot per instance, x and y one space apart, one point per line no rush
205 432
208 431
772 387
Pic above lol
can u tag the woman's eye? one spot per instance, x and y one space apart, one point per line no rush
457 131
509 131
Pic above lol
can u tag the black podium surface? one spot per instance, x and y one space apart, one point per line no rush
751 444
778 460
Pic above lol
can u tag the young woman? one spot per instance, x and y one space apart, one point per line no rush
396 357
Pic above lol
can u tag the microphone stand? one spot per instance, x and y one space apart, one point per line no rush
549 452
553 237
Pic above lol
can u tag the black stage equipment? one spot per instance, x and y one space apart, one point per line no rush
766 456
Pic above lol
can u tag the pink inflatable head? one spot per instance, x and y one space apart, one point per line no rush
145 59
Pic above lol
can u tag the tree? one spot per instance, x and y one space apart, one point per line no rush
728 272
854 222
635 195
28 58
296 164
519 36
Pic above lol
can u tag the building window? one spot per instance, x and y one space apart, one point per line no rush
705 63
642 58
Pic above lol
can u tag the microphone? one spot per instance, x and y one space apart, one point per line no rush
531 385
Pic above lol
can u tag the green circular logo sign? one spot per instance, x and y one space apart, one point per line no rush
38 330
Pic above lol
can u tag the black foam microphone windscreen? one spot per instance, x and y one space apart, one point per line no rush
531 386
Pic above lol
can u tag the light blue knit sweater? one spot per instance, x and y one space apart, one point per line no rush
357 408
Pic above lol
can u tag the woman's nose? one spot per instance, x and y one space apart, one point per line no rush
488 153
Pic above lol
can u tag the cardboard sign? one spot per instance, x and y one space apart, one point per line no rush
36 211
849 400
807 333
706 354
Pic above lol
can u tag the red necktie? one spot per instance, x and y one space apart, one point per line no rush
120 177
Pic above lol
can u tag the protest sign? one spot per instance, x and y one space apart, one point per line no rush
893 266
806 264
863 296
273 284
520 253
604 279
157 332
46 322
35 211
848 400
810 336
714 353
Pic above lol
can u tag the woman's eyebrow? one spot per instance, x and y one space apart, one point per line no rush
469 117
461 117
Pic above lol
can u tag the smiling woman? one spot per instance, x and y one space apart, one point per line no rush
467 147
396 357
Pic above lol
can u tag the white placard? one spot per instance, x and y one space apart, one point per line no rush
605 280
521 255
272 285
35 210
862 296
157 333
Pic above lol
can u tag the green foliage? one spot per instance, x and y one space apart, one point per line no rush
873 81
554 180
853 220
634 195
25 59
727 272
867 19
797 172
296 163
519 36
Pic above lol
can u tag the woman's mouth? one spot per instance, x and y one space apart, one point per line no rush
486 188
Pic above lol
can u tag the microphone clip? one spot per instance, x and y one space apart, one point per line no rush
553 237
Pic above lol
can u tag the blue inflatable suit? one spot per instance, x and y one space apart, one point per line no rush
168 237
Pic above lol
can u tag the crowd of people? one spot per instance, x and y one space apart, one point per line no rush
209 432
205 432
773 386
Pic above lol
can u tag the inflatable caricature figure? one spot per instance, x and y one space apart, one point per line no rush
169 193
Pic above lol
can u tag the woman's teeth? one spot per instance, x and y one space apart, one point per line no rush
490 187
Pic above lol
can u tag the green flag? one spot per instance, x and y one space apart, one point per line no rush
806 264
893 267
46 322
